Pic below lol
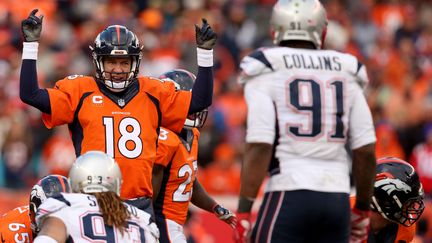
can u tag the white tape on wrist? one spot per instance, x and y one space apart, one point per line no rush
30 50
205 57
44 239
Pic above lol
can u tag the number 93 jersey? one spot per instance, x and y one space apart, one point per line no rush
180 161
309 104
81 215
126 127
15 226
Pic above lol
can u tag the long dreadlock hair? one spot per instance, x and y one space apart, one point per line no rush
114 212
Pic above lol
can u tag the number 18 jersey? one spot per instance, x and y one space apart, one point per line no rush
125 127
309 104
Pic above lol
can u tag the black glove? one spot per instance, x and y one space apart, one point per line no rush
205 36
225 215
32 26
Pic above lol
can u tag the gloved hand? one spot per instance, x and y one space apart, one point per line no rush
243 228
205 36
360 222
32 26
225 215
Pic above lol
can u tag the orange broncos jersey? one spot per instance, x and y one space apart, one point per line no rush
124 127
179 175
15 226
401 234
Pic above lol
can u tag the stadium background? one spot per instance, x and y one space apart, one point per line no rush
393 38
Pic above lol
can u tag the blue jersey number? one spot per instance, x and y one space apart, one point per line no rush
315 109
96 230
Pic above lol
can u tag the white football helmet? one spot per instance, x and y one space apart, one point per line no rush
304 20
95 171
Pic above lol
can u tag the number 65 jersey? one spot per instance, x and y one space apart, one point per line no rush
309 104
125 127
84 223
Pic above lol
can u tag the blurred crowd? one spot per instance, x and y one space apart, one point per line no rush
393 38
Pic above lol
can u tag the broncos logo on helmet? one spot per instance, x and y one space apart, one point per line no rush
390 185
398 193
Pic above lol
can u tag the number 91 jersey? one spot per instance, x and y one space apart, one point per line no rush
180 161
125 127
309 104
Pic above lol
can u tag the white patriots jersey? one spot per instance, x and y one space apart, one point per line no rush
310 104
84 222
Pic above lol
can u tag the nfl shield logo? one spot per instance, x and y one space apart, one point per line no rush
121 102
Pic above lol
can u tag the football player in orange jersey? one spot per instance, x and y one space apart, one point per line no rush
19 225
397 203
174 172
116 111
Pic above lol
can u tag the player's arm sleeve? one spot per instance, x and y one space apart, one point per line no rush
174 106
202 91
361 129
30 93
261 115
164 153
56 206
358 70
64 100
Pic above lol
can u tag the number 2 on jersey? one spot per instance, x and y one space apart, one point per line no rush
315 108
130 130
180 194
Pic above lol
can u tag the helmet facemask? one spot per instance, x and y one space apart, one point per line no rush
116 42
398 193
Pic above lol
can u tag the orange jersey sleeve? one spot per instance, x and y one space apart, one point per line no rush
64 99
125 127
174 104
179 175
167 146
15 226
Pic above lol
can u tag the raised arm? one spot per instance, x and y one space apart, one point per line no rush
202 91
30 93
